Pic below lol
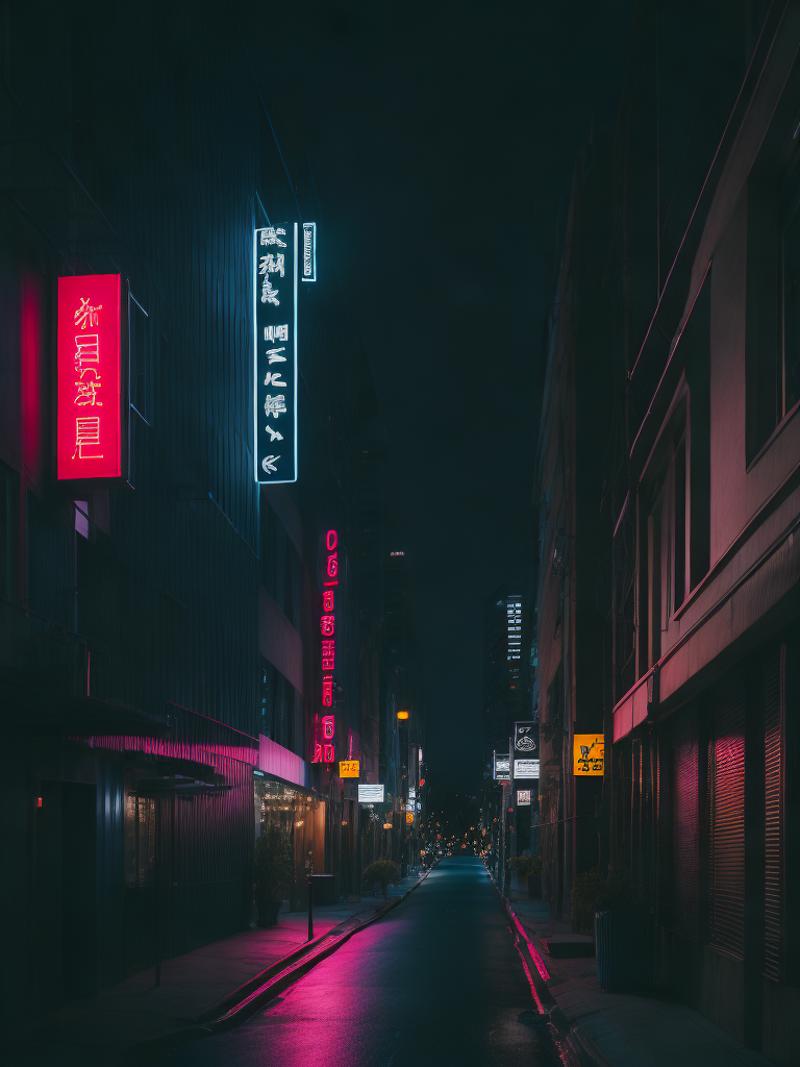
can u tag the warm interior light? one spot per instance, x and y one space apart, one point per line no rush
387 826
403 715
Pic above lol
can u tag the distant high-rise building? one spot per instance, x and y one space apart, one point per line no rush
506 678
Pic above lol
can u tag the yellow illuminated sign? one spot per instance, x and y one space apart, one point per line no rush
409 817
349 768
588 755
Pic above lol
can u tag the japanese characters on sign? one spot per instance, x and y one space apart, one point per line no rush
526 768
523 798
309 251
89 377
501 771
588 755
275 353
325 728
349 768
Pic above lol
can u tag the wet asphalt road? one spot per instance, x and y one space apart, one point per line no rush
438 981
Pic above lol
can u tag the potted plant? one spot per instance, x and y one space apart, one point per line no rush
535 878
272 874
380 875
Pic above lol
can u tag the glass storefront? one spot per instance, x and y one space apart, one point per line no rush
299 817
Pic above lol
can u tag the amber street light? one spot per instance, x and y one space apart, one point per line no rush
403 715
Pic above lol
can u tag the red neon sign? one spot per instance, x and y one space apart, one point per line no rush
89 414
324 743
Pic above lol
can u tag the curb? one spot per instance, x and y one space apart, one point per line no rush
580 1050
277 978
281 980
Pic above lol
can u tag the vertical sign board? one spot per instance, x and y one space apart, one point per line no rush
523 798
502 768
275 354
526 739
309 273
89 377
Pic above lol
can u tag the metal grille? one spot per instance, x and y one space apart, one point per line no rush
727 822
773 816
685 830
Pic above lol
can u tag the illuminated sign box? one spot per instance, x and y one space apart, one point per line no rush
588 755
349 768
275 353
89 377
523 798
371 794
502 768
526 738
409 818
526 768
309 251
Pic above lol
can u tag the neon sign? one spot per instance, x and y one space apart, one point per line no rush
275 354
349 768
325 740
89 377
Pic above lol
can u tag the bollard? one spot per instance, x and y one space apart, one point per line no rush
310 883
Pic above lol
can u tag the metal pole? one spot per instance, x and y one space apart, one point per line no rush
310 883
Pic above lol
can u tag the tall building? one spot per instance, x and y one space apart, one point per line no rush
668 607
706 567
507 643
161 665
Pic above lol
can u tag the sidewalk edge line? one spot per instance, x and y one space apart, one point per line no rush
275 985
278 983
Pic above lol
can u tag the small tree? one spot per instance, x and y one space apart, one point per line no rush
272 873
381 874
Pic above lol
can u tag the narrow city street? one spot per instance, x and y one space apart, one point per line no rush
438 981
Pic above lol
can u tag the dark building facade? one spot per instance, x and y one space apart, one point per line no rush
668 609
160 633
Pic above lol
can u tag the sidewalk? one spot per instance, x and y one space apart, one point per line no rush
622 1029
100 1029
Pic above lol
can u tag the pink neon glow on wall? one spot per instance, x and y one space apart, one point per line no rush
89 380
31 352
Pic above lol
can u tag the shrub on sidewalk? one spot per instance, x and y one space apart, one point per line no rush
586 893
380 875
272 874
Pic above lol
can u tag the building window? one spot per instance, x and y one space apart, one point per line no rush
788 386
773 277
140 841
624 592
662 550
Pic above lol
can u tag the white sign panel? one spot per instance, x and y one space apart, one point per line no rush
502 768
370 794
523 798
309 251
526 768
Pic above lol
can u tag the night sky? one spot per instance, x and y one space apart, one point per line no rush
442 139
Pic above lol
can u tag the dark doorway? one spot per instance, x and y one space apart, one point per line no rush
79 888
